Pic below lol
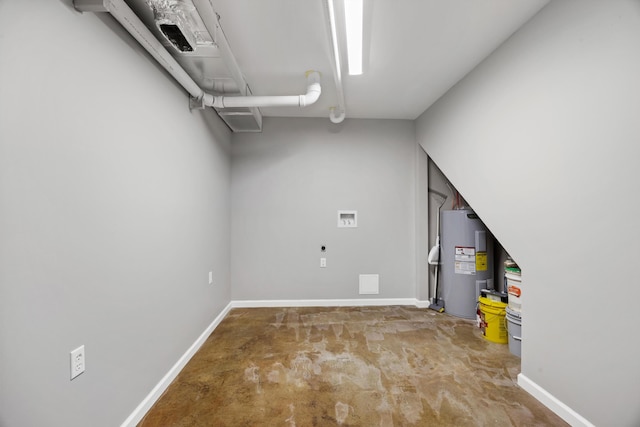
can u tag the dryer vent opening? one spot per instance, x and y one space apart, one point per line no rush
173 33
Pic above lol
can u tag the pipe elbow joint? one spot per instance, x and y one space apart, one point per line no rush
312 95
208 100
337 118
313 89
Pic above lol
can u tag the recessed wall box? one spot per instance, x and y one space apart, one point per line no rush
347 219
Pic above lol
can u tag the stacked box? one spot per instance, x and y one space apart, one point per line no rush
513 285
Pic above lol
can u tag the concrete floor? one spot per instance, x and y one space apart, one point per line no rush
348 366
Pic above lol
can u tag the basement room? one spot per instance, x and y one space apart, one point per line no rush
319 213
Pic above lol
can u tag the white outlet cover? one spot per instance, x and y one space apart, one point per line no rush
347 219
210 277
77 361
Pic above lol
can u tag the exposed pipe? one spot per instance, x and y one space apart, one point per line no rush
337 114
211 22
313 93
130 21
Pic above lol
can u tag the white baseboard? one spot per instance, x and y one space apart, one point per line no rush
144 406
552 402
323 302
422 303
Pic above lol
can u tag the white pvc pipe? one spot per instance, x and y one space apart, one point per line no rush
313 93
130 21
211 22
337 114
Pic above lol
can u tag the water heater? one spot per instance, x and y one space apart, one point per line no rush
466 261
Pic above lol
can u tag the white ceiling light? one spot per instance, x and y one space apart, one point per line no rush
354 15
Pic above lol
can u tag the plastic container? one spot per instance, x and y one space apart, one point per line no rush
494 295
492 320
514 290
514 327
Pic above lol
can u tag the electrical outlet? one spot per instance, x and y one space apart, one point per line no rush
77 361
323 262
211 277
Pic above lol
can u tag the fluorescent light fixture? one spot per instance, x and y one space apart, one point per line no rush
354 15
334 37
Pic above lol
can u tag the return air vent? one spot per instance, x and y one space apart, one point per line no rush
180 24
242 119
173 33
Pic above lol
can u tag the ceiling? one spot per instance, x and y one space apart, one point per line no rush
415 50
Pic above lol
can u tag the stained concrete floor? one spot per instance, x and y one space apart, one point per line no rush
348 366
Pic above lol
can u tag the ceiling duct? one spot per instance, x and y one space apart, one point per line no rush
185 37
178 22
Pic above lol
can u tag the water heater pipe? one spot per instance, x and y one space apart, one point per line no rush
130 21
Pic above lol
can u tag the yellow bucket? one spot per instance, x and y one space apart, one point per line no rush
492 320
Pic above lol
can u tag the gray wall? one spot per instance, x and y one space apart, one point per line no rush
422 233
288 184
114 206
542 139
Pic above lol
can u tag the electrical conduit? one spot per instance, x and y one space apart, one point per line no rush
337 114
